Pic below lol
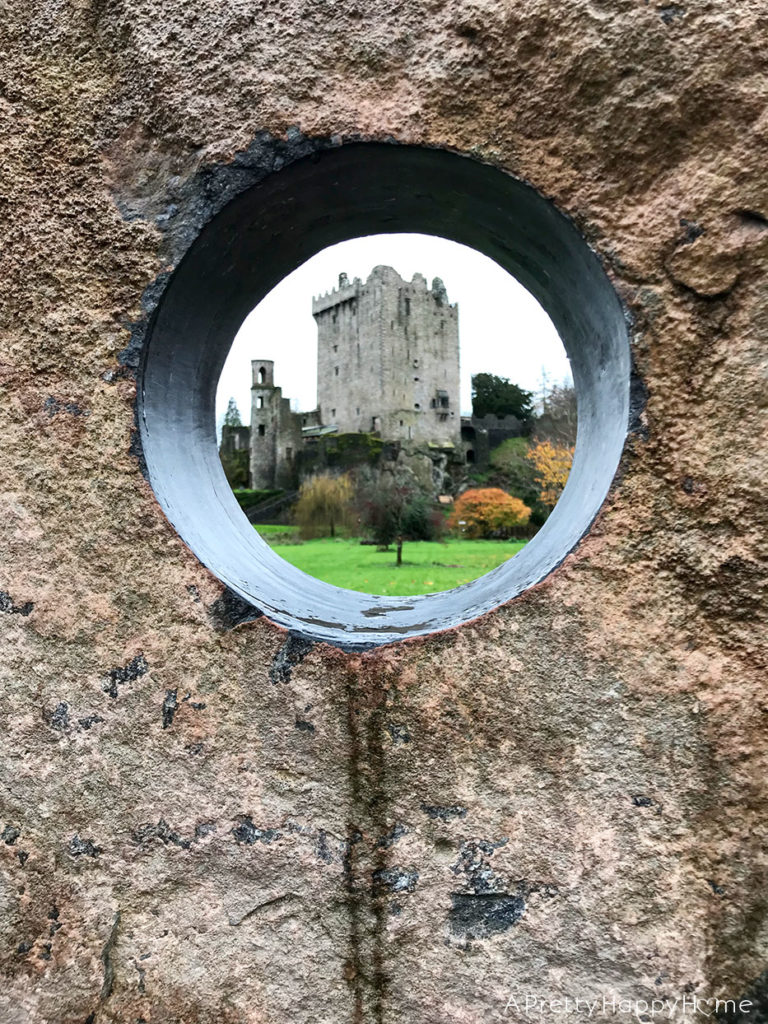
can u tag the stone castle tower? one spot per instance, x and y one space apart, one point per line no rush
388 358
275 430
387 363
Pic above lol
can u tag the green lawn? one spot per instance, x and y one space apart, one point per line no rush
427 566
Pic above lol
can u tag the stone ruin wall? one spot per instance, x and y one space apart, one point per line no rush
223 823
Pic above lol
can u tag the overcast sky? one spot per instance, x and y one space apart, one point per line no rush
502 328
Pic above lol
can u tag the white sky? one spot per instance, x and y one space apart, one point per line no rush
502 328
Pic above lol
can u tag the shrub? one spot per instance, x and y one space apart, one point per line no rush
324 505
488 512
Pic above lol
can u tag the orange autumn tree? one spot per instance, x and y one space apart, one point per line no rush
488 512
552 464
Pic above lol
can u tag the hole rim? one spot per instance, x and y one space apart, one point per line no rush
370 184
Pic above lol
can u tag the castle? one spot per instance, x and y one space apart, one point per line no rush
387 365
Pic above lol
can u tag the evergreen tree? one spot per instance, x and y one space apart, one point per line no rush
232 415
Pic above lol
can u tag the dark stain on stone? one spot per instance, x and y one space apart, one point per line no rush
304 726
83 847
45 953
130 357
398 733
86 723
144 835
292 653
394 880
55 405
135 668
136 449
7 605
58 718
23 857
478 916
10 834
691 230
204 828
638 400
247 834
641 801
24 947
740 590
444 813
323 850
170 705
106 960
718 890
230 610
390 838
198 705
670 12
474 863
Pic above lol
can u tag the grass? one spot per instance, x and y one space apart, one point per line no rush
428 566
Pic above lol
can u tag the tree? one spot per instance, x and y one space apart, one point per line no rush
398 510
324 505
552 464
488 512
557 419
232 415
511 469
492 394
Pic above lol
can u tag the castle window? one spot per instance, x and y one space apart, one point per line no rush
262 430
357 411
260 402
407 307
262 375
415 364
336 371
416 405
416 379
401 423
470 455
333 412
335 348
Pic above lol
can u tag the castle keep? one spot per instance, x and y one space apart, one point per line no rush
388 358
387 364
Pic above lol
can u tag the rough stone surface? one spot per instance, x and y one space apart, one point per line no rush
203 857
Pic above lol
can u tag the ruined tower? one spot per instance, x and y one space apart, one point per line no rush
275 431
388 358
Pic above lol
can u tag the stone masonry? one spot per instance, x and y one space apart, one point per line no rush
204 818
388 358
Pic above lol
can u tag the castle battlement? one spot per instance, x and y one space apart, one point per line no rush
343 293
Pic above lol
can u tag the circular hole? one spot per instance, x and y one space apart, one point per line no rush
267 232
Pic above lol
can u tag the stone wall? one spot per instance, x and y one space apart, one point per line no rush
207 819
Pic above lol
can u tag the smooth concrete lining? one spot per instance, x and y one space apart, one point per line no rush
264 234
